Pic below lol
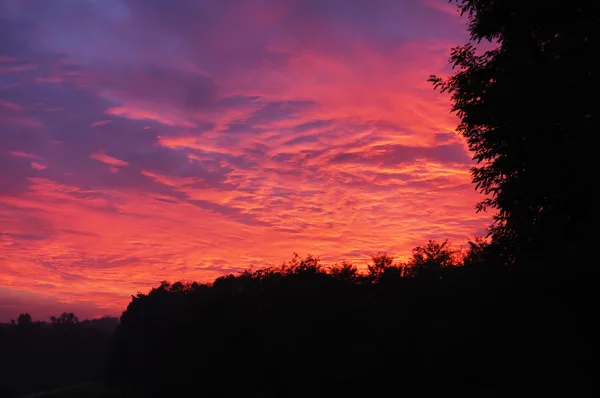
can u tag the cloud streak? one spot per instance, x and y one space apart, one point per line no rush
144 140
104 158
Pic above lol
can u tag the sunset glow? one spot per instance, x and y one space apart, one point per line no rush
149 140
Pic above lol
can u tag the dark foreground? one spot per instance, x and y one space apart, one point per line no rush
438 324
301 330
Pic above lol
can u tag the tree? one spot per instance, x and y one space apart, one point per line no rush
430 259
524 107
476 252
344 271
24 320
310 264
381 262
297 330
66 318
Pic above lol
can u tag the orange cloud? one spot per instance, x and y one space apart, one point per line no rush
287 126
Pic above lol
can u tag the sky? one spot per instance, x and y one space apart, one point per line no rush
150 140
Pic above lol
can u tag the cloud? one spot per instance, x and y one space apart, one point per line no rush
100 123
19 154
10 106
143 140
233 212
393 155
443 7
104 158
13 302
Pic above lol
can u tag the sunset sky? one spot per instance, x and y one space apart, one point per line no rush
144 140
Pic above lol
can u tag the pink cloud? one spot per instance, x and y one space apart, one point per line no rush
235 135
104 158
101 123
443 6
136 113
5 70
6 59
10 105
19 154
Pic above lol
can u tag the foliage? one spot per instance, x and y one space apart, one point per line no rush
66 318
24 320
431 259
524 107
443 322
381 262
296 329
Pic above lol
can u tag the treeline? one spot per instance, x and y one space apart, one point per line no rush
66 319
39 355
443 322
439 324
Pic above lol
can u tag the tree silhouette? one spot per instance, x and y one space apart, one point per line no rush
429 260
24 320
345 272
301 329
525 110
65 319
380 263
476 253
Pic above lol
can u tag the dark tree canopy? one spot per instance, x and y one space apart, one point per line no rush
527 111
432 258
24 320
302 329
